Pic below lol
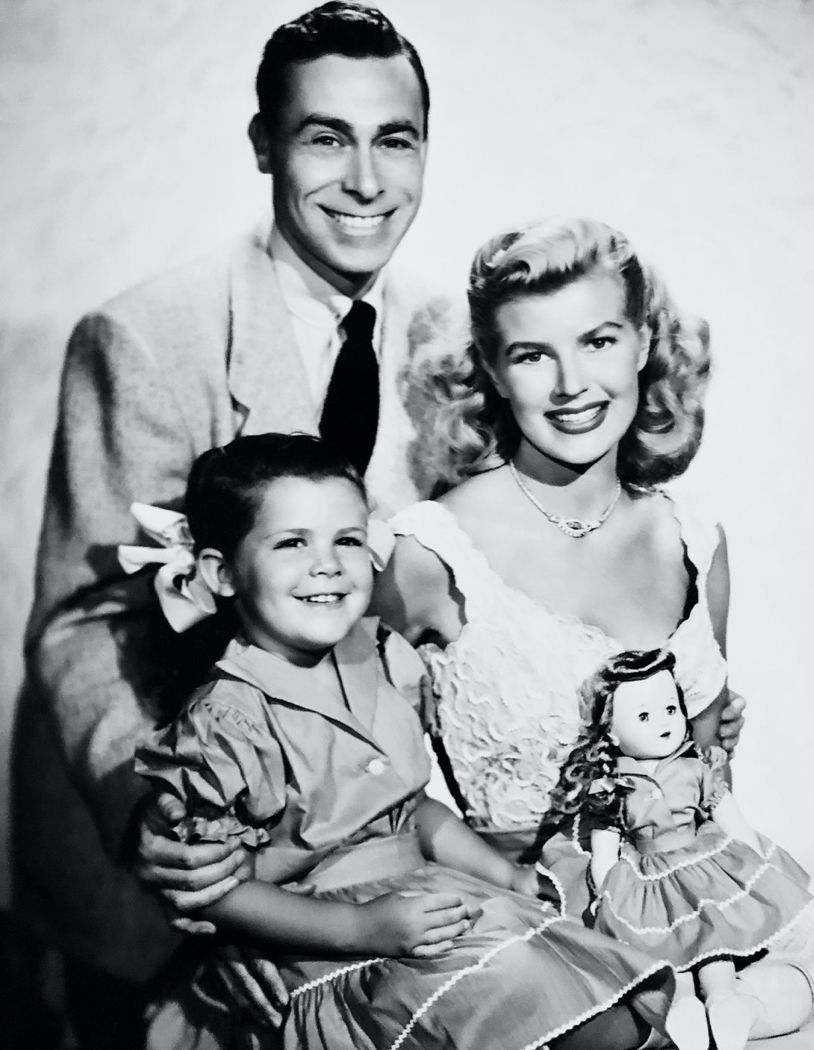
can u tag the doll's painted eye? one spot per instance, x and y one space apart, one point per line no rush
671 709
644 716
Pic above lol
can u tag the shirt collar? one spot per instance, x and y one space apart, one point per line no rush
632 766
310 297
356 663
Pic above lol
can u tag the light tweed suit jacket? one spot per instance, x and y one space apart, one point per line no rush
181 363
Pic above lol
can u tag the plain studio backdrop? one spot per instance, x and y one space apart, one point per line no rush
687 123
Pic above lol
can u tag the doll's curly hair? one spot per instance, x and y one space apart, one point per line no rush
467 428
594 755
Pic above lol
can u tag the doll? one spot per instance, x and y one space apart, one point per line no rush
674 866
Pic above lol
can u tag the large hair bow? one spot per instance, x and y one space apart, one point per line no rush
184 596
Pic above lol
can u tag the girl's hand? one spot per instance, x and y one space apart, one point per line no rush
418 924
524 880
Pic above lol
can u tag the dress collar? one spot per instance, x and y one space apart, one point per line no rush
628 766
356 664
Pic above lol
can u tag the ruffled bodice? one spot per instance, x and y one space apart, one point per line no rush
508 686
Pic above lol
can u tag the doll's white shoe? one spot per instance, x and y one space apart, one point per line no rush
731 1017
686 1024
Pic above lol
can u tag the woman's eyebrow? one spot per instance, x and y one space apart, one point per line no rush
593 331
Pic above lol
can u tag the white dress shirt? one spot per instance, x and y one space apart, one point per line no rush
317 310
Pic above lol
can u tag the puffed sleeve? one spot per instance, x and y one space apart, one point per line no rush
226 768
713 785
406 671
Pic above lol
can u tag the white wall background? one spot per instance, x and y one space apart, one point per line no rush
688 123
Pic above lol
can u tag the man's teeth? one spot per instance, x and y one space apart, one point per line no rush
358 222
324 599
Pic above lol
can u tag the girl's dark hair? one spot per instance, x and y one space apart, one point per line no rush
226 485
225 488
594 755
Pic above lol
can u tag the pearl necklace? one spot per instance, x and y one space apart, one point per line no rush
572 527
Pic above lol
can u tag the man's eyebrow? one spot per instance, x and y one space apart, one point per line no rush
397 127
392 127
324 121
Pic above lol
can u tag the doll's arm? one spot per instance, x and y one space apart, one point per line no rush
727 815
604 853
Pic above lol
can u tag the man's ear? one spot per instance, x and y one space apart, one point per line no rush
215 572
261 141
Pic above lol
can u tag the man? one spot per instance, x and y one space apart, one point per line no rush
238 343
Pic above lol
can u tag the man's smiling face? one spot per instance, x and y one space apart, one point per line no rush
347 161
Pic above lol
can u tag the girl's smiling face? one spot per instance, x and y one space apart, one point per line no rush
568 363
302 576
648 721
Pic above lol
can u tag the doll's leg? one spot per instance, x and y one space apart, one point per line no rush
686 1022
785 992
732 1012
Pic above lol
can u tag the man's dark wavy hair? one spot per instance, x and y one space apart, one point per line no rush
335 28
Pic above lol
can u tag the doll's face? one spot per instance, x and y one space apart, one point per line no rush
647 718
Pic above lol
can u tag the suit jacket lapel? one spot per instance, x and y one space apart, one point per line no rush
267 378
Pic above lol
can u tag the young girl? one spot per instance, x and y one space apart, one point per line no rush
391 922
676 869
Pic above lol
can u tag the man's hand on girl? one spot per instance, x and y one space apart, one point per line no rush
419 924
254 982
188 877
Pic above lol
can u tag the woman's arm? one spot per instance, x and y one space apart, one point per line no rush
447 840
722 722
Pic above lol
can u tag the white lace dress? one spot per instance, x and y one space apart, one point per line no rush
508 686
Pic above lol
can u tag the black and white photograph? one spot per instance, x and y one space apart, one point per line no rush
405 502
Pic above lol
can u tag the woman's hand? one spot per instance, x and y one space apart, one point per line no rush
732 722
188 877
418 924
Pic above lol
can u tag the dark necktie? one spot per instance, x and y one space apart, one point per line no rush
350 415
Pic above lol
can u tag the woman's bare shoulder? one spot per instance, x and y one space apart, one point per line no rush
476 497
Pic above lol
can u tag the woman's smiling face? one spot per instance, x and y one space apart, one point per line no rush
567 362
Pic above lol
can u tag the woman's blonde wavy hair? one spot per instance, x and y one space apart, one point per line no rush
465 427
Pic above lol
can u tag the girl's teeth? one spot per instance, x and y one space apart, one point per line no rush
323 599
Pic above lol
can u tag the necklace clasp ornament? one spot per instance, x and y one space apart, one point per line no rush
572 527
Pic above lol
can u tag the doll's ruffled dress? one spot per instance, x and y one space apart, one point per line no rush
323 797
682 889
507 695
